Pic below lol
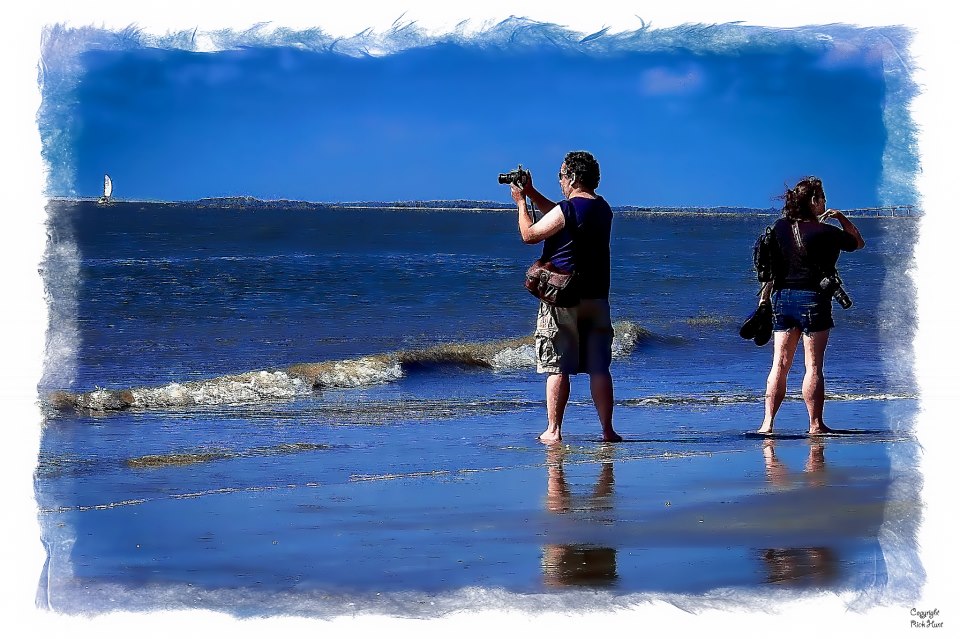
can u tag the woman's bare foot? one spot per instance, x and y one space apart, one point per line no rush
819 430
611 436
765 429
551 435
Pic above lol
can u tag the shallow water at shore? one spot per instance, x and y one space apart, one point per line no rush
684 506
284 415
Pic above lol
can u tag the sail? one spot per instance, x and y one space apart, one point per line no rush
107 186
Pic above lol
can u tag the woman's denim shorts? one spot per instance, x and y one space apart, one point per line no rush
810 311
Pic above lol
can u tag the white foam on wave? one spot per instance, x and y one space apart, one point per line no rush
234 389
353 373
243 388
860 397
748 398
742 398
519 357
101 399
625 338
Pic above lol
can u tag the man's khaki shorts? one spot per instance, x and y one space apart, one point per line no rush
574 340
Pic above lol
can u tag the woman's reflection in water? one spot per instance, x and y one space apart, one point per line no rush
798 567
801 567
578 564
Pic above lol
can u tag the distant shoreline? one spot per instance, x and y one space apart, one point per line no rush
478 206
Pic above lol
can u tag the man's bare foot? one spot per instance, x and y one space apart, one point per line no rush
819 430
550 436
765 429
612 437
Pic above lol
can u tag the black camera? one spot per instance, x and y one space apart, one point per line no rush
833 285
519 176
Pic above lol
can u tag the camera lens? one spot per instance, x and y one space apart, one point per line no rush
842 298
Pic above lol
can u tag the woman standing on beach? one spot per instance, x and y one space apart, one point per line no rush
809 249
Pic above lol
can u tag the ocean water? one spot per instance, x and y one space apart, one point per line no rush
249 409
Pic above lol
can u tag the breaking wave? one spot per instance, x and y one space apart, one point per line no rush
302 379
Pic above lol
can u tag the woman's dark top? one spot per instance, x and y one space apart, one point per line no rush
823 244
588 256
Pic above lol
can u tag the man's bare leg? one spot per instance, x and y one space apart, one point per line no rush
558 493
784 347
558 392
814 347
776 471
815 465
601 389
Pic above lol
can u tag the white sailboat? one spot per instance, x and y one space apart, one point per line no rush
107 190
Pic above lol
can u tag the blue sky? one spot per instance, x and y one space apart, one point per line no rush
702 123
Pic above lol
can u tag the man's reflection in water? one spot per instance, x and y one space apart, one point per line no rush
815 467
798 567
578 564
779 476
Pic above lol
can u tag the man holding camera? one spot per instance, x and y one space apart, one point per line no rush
576 239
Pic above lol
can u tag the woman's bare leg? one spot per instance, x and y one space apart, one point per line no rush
784 347
814 346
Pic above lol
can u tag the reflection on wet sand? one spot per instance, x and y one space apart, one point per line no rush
779 475
807 566
575 565
578 564
801 567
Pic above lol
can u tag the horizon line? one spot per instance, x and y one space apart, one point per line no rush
416 203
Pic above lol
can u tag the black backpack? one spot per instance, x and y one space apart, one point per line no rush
766 255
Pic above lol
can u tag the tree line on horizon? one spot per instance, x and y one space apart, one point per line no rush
249 202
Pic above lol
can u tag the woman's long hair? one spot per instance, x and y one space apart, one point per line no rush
798 201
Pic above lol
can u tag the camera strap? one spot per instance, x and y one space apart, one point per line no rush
570 215
798 239
802 250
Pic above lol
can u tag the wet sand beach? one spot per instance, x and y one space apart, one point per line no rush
407 516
